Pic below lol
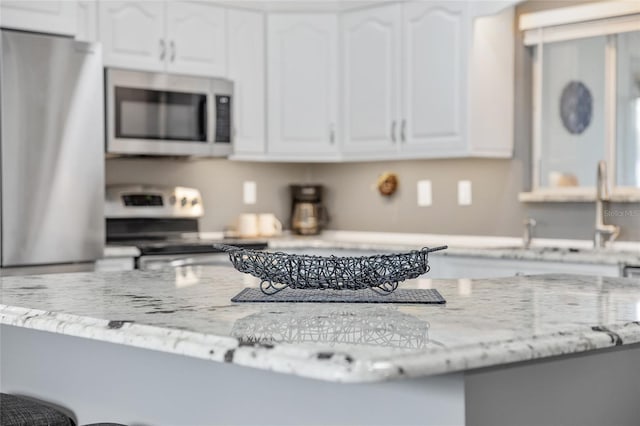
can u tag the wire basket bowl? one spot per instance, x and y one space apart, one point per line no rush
381 273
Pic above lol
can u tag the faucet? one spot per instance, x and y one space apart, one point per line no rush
602 195
527 235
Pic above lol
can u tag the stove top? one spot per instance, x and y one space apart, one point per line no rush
149 247
161 220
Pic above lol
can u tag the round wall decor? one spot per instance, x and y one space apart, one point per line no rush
576 107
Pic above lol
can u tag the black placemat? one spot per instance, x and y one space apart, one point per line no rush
408 295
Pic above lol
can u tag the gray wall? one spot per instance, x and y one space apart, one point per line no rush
354 204
220 182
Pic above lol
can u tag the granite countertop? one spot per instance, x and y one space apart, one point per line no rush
187 311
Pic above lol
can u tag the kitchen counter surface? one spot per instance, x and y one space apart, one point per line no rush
577 251
486 322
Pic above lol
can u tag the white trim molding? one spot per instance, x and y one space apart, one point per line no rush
579 13
599 27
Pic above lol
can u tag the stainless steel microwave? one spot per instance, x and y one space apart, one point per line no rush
164 114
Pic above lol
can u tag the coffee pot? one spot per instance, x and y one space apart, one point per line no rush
308 215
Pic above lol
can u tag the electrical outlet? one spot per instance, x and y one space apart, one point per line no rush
464 193
249 192
424 193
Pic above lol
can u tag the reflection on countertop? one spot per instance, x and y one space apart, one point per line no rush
334 325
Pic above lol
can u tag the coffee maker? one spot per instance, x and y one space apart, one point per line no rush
308 215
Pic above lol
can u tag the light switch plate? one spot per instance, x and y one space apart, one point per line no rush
464 193
424 193
249 192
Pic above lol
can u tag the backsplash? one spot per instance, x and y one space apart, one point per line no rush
351 198
354 203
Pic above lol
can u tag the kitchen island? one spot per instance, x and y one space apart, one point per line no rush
170 348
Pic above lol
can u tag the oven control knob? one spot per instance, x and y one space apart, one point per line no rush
183 201
172 200
194 202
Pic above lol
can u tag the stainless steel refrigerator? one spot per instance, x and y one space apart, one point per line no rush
52 150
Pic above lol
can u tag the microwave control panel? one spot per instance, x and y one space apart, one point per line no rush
223 118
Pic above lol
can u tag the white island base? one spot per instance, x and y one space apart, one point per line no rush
100 381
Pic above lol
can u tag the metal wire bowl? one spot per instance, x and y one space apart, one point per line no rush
381 273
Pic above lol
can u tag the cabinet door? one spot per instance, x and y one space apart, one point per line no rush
371 82
302 84
132 34
87 21
435 77
52 16
451 266
246 43
196 38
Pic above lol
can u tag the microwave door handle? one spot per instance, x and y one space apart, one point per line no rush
203 119
211 115
163 119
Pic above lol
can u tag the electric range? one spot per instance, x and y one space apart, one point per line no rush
163 223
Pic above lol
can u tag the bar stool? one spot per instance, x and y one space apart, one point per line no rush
19 411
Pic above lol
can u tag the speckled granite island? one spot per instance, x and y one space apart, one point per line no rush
170 348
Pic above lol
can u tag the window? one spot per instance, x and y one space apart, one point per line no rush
572 132
586 91
628 110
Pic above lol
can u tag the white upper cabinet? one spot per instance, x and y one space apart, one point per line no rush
302 70
371 59
50 16
246 41
87 19
435 76
403 80
196 39
490 131
133 35
175 36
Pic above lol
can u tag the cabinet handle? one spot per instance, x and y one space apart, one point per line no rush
393 131
163 49
403 128
172 45
332 134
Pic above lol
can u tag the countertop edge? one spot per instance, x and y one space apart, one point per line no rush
336 366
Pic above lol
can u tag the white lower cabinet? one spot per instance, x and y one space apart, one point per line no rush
49 16
302 88
476 267
457 267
